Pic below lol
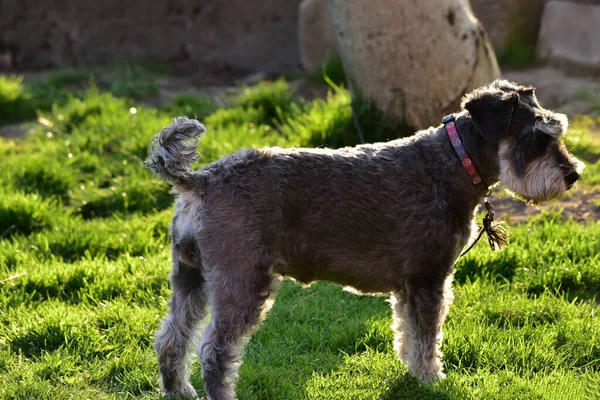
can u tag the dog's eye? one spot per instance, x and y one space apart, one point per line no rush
541 142
532 145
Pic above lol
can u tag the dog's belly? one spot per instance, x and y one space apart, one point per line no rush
367 279
376 264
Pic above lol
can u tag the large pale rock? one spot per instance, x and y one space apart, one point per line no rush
570 34
315 34
414 59
243 34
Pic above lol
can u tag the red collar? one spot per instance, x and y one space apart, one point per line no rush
474 176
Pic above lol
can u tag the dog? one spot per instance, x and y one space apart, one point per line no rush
388 218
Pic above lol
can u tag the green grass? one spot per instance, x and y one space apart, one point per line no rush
20 100
84 264
331 71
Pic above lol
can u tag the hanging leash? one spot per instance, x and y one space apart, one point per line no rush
497 231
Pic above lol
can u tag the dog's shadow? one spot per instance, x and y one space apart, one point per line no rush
409 387
335 321
305 322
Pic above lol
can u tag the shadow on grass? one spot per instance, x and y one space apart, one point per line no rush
310 332
498 269
573 287
39 340
409 387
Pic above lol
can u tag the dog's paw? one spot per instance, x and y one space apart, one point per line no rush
186 391
431 376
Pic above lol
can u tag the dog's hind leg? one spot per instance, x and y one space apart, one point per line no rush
188 305
240 298
419 314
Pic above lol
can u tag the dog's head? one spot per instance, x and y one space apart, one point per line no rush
533 161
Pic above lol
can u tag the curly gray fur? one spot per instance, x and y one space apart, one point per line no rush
173 150
382 218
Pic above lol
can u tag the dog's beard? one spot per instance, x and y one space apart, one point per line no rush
543 179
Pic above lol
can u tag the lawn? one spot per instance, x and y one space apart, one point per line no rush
84 264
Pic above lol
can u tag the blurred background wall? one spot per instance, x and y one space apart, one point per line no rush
243 34
272 36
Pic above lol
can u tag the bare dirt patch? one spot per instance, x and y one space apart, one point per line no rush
580 205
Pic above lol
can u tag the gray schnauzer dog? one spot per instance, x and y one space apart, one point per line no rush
387 218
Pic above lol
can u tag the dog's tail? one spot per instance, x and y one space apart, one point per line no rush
173 151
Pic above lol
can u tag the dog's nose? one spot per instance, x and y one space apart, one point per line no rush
571 178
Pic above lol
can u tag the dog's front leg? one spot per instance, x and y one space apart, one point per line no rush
419 313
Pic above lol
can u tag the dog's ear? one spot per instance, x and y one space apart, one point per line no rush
529 90
491 113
